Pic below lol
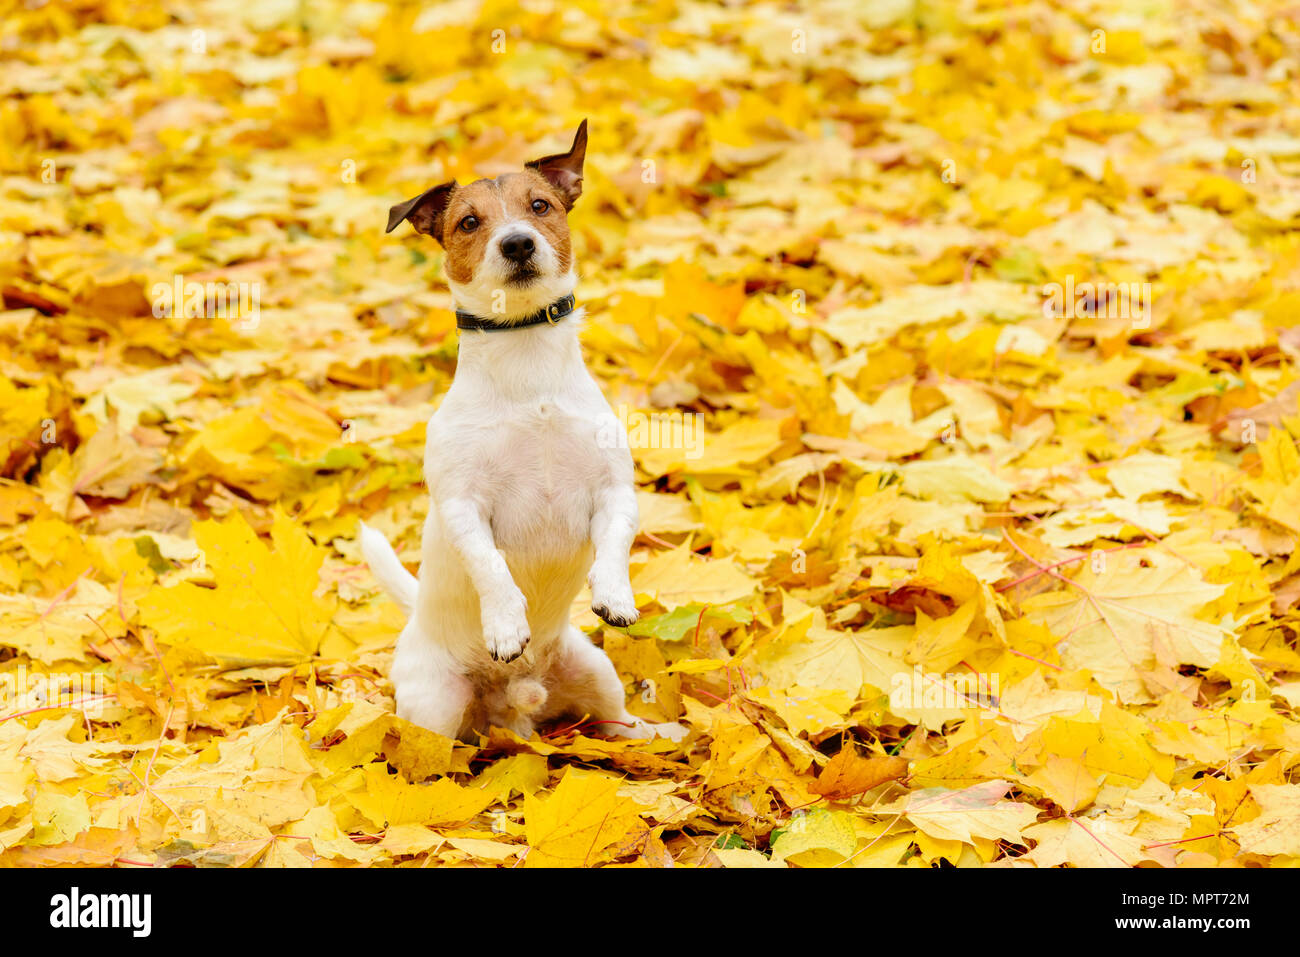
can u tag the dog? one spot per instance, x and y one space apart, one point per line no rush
527 493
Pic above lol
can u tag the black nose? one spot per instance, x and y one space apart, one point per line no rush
517 247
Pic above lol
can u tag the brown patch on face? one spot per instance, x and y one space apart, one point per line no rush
465 248
529 186
491 202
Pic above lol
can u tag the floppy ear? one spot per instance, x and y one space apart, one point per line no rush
564 170
424 211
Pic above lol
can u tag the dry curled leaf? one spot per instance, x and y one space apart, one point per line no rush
848 773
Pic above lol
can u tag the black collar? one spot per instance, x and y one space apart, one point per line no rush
552 314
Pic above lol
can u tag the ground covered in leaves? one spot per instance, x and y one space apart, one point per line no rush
955 574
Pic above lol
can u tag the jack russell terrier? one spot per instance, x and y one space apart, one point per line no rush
528 494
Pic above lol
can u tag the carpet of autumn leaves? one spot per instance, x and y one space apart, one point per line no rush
950 578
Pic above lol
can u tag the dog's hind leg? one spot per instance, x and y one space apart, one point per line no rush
586 682
431 690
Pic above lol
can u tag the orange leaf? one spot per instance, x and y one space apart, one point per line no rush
849 773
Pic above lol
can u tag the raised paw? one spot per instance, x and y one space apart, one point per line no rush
611 595
506 641
614 604
505 627
618 614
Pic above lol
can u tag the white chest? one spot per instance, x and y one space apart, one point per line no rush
548 468
526 434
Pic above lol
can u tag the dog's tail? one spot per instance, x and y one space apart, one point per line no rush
525 695
385 565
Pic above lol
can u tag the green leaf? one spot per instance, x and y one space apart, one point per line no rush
148 549
680 622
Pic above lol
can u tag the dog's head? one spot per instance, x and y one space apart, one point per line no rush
507 239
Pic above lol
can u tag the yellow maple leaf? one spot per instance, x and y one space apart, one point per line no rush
1277 829
264 609
583 817
974 812
387 799
1111 621
679 577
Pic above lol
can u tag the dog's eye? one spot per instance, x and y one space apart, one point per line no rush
540 206
468 224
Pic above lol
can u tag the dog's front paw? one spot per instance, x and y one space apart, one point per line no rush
505 632
506 643
620 614
614 605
